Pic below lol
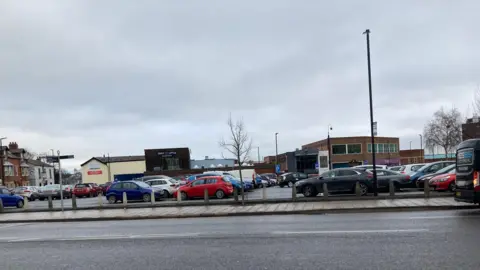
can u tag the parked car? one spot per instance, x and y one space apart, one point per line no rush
269 181
168 186
84 190
449 169
105 187
217 186
10 199
288 179
410 168
134 190
395 168
338 181
370 167
30 192
385 176
428 169
444 181
96 188
51 190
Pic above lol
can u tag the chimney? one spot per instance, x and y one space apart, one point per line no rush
13 146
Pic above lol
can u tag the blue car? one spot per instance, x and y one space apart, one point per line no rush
237 183
195 176
428 169
135 191
9 199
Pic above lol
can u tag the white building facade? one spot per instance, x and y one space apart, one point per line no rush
41 173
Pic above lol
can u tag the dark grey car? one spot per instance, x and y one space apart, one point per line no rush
337 180
385 176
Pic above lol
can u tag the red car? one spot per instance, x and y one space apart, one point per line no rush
443 182
84 190
217 186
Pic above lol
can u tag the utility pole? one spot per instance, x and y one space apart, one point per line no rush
2 172
60 178
276 152
108 164
258 152
410 145
375 182
421 148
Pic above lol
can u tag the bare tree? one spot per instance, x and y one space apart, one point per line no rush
239 145
476 101
444 130
29 154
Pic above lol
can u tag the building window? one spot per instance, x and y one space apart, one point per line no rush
380 148
339 149
393 148
369 148
172 163
9 171
354 148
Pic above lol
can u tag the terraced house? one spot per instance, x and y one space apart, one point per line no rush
15 168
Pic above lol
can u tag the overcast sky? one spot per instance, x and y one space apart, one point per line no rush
97 77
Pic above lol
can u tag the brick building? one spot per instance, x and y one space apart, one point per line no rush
15 169
471 129
412 156
352 151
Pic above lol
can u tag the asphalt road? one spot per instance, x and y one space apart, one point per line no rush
272 192
419 240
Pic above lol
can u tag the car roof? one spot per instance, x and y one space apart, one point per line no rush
209 176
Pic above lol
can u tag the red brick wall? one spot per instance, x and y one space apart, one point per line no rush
17 179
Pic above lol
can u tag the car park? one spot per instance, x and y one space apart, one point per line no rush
421 180
84 190
428 169
29 192
168 186
134 191
338 181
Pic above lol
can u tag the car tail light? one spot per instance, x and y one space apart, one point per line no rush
370 176
476 184
173 185
26 191
408 177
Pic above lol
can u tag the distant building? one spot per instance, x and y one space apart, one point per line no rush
15 169
107 169
167 159
41 173
471 128
212 163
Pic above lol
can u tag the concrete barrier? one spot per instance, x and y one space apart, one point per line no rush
50 203
74 202
124 199
391 188
205 196
325 190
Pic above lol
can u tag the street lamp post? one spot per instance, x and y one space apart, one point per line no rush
258 152
410 145
421 147
2 172
375 183
276 151
329 148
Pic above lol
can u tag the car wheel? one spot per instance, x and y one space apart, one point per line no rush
363 189
112 199
166 194
309 191
280 185
146 197
220 194
20 204
184 196
452 187
290 184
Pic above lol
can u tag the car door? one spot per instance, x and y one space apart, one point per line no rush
328 178
383 178
117 190
132 190
4 195
196 190
211 186
345 179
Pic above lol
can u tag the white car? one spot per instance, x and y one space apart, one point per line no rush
169 186
370 167
411 168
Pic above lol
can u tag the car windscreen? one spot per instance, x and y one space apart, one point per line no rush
81 186
415 168
446 169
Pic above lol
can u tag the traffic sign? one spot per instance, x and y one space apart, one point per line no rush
316 166
52 159
67 157
277 168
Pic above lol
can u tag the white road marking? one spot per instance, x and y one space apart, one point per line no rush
4 226
443 217
350 232
23 240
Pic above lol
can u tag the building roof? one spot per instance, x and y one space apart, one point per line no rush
106 160
38 163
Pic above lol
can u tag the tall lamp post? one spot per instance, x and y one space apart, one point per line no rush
258 153
375 183
329 148
410 145
2 172
276 152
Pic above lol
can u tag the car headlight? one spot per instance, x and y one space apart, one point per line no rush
443 179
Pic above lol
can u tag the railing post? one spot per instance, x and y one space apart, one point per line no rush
100 203
358 192
294 192
264 192
391 188
426 189
124 199
235 194
50 203
74 202
25 202
1 205
325 190
205 196
152 197
179 196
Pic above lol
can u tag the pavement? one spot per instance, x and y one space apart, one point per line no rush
311 207
257 194
401 240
